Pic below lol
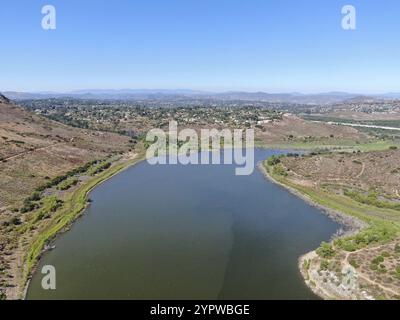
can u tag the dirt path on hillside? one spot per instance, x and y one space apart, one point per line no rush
363 276
362 171
31 151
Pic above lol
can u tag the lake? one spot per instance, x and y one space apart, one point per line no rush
186 232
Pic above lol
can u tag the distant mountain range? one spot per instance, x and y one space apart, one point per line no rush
171 94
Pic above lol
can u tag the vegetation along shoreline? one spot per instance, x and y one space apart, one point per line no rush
76 203
359 263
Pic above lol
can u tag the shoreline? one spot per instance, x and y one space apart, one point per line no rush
87 187
351 224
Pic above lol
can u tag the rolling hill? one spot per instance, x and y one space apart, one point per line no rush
34 148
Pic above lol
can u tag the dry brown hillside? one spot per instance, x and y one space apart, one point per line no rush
364 172
34 148
34 152
365 185
292 129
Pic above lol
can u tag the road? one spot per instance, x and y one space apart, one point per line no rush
359 125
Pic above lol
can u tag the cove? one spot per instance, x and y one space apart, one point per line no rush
186 232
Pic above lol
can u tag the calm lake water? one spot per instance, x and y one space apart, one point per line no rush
186 232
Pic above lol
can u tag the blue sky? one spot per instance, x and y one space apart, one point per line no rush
269 45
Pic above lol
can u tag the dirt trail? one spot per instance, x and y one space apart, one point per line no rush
362 170
361 275
31 151
379 285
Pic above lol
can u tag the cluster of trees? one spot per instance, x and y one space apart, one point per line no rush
57 180
51 205
326 250
70 121
99 168
65 185
377 264
371 199
280 170
13 221
274 160
30 203
365 238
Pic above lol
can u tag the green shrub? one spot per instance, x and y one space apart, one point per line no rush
28 206
273 160
324 265
325 250
306 264
382 269
65 185
50 205
365 238
57 180
371 199
353 262
15 221
378 260
35 196
99 168
280 170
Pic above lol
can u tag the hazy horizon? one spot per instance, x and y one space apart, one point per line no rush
269 46
195 91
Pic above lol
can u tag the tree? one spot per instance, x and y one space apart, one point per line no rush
273 160
325 250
